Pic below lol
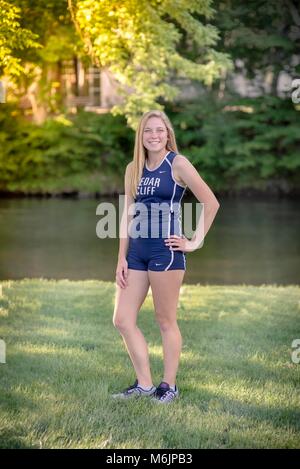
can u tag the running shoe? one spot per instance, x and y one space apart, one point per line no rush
164 394
134 391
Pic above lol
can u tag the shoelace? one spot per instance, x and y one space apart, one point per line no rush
167 395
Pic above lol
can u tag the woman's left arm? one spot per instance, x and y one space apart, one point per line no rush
190 176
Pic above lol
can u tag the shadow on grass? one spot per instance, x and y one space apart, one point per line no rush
13 439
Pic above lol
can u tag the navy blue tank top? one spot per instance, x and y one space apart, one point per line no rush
158 201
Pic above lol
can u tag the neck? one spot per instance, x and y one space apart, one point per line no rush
156 156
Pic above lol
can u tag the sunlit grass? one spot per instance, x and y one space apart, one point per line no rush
239 387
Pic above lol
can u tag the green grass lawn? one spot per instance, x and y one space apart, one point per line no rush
239 387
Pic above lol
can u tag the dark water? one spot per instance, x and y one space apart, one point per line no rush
250 242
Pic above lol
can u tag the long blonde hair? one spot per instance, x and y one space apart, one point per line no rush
139 155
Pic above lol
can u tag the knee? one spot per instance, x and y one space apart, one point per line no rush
121 323
166 324
118 322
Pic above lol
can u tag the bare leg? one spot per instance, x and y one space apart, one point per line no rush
165 288
128 302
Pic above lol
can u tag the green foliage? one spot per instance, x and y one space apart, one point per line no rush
242 142
61 147
13 39
238 143
137 41
59 46
265 35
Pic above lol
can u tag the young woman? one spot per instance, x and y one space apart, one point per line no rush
157 175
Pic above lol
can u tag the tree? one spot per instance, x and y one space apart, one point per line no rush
40 84
264 35
136 40
13 39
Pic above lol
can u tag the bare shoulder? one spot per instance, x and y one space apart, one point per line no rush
129 166
128 170
179 162
127 184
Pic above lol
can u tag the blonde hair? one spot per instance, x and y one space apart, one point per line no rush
139 155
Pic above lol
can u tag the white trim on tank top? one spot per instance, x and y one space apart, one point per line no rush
171 166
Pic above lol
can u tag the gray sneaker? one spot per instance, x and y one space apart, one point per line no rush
134 391
164 394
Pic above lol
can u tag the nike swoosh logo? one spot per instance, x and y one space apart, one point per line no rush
162 172
158 264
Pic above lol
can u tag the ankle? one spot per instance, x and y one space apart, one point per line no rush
145 384
170 383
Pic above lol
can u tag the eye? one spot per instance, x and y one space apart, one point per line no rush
158 130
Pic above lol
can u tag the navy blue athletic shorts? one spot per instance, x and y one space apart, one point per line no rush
153 254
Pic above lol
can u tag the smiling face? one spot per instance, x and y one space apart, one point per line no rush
155 135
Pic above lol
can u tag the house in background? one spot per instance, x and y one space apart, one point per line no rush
88 87
95 89
77 85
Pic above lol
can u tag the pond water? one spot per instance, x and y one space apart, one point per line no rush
250 242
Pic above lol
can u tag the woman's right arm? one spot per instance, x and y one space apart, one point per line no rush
122 267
